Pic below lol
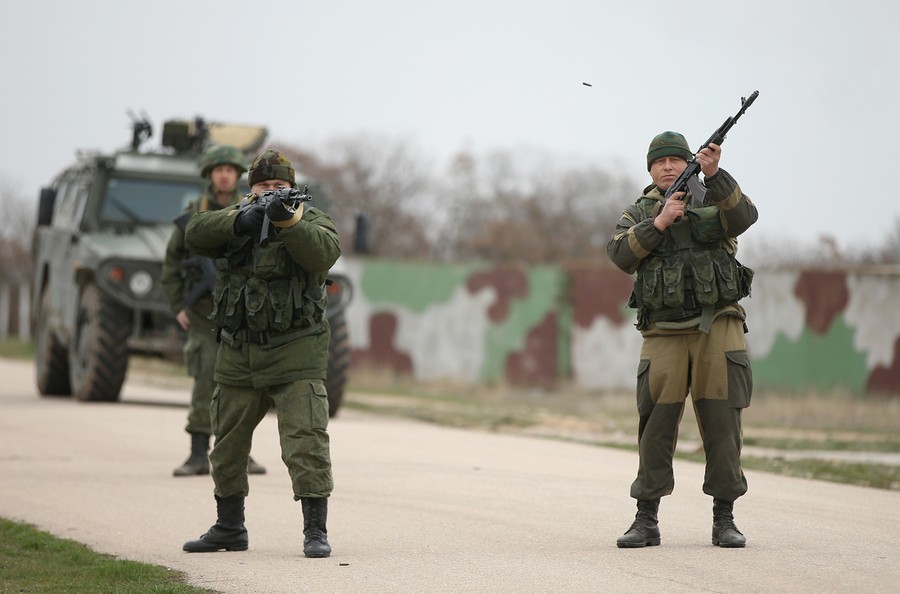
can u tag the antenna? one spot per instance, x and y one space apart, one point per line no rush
141 129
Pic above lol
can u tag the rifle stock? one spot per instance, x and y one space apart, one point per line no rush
207 283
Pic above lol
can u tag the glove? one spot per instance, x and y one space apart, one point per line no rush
250 220
281 215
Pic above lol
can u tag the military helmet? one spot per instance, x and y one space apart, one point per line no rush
271 164
222 154
668 144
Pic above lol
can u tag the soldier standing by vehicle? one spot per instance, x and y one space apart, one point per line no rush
269 309
188 281
686 291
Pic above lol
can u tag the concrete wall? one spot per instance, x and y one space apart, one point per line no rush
534 326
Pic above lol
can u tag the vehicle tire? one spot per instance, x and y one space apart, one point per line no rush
338 363
51 358
98 358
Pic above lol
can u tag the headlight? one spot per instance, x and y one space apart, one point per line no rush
340 292
140 283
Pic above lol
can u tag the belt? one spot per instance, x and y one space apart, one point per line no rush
267 339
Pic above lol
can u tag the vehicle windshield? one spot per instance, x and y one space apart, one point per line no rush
145 201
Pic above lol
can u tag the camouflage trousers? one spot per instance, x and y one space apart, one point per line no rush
200 361
302 411
715 369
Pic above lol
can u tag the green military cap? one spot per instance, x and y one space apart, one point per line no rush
668 144
222 154
271 164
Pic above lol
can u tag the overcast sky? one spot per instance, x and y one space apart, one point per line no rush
481 75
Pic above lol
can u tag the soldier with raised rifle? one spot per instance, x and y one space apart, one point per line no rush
680 238
273 353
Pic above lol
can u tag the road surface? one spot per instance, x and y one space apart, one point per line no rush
421 508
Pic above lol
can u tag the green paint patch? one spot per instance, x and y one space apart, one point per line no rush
544 288
814 361
411 285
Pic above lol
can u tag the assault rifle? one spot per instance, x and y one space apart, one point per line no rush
207 268
688 180
290 197
207 283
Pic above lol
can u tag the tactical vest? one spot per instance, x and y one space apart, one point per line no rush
262 291
690 274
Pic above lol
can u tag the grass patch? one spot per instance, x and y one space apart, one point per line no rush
879 476
16 349
888 444
34 561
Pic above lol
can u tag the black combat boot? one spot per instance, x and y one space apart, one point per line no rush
315 513
198 462
724 532
254 467
228 533
644 532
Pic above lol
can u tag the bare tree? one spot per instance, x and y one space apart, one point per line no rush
526 208
383 178
523 206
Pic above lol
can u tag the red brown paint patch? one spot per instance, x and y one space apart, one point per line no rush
381 353
599 293
886 380
825 295
535 364
509 283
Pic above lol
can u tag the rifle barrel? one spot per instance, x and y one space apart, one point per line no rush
693 168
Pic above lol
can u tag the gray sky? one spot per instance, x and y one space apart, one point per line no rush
483 75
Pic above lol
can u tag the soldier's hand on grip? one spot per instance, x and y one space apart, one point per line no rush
672 211
250 221
283 216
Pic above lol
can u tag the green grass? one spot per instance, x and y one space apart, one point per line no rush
33 561
879 476
16 349
889 444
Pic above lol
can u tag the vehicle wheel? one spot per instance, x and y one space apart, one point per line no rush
51 358
98 359
338 363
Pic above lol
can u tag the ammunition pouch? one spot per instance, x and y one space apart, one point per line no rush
706 224
263 292
677 287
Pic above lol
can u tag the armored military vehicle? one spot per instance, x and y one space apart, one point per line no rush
101 235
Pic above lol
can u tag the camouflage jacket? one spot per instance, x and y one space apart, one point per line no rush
726 213
287 278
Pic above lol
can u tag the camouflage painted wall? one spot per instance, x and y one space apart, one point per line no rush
534 326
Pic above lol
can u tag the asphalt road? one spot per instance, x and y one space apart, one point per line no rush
420 508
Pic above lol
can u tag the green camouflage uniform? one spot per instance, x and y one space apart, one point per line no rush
687 288
200 348
269 308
